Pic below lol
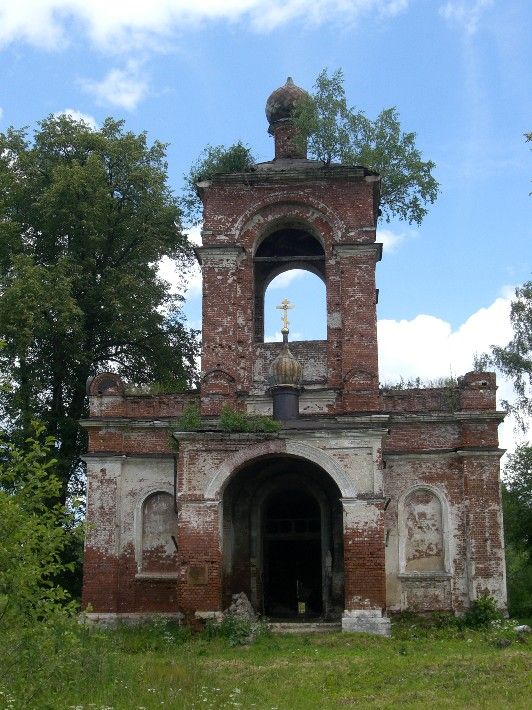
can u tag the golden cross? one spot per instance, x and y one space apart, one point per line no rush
285 305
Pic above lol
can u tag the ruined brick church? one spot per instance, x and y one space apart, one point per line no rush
366 502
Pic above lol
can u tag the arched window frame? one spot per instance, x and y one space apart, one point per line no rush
401 530
138 527
315 264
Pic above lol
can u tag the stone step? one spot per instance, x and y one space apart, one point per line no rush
304 627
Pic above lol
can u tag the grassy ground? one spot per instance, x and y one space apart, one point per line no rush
160 666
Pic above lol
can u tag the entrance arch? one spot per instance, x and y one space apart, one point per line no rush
283 538
245 457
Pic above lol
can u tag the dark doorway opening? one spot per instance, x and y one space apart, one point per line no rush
292 556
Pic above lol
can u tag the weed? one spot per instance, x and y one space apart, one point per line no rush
233 421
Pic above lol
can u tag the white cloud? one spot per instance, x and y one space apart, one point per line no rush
191 284
465 13
78 116
428 347
390 240
286 278
1 112
123 24
119 87
194 235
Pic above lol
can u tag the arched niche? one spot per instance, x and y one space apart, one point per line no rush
283 246
423 531
157 534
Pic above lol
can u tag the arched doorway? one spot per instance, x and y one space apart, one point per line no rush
291 554
283 538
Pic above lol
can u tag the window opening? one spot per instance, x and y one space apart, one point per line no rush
308 319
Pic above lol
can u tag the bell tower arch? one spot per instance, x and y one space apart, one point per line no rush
290 212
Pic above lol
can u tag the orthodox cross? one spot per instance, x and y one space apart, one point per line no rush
285 305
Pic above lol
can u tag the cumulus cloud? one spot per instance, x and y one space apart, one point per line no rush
429 348
392 240
121 24
124 88
465 13
191 284
78 116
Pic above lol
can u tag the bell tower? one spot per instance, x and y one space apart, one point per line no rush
287 213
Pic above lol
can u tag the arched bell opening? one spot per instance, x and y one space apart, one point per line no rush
305 288
283 539
289 246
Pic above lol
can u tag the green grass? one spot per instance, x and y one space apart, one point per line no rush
164 667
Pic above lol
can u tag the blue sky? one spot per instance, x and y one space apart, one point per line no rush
197 73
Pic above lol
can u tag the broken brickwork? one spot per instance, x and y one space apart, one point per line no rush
394 494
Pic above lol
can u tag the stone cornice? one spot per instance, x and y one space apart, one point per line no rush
344 250
113 456
442 453
128 423
292 172
221 255
459 416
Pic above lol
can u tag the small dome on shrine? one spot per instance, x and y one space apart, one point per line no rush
285 370
282 102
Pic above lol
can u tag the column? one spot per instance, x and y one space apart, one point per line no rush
364 571
102 543
484 530
200 558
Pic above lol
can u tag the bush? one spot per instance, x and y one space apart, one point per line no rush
231 420
238 630
34 532
214 160
482 612
190 418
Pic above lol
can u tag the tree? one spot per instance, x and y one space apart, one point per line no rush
515 359
336 132
33 534
517 504
237 158
85 215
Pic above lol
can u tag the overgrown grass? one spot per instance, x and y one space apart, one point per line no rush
441 666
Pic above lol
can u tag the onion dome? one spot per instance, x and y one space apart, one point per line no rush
285 370
283 101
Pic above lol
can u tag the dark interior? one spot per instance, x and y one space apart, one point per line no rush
292 569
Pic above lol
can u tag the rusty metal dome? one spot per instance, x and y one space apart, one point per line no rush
283 101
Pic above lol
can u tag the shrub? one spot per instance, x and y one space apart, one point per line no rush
231 420
190 418
34 531
482 612
237 630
